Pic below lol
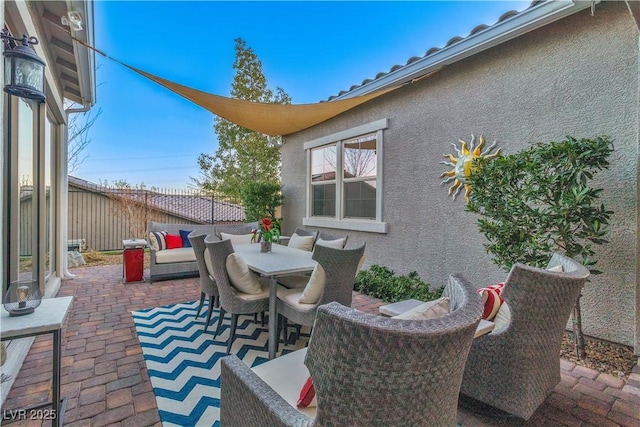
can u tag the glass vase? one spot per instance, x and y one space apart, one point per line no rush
265 246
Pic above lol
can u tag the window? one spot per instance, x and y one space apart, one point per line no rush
344 176
25 180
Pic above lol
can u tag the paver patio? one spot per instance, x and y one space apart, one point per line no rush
105 380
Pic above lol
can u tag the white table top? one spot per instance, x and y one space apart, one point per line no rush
47 317
281 260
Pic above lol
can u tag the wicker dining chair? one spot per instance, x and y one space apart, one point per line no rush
516 367
231 300
326 237
340 267
208 286
367 370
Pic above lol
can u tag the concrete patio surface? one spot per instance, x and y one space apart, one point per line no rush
105 380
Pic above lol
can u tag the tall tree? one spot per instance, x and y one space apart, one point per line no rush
243 156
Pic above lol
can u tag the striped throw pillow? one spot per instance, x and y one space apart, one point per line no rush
158 240
492 300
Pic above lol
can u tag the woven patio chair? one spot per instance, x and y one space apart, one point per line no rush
208 286
340 267
330 237
302 232
367 370
232 300
516 367
235 229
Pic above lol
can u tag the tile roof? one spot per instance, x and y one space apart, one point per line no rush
188 204
477 29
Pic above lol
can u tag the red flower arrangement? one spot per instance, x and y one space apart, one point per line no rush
268 230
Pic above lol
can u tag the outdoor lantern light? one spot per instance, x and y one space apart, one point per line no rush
23 69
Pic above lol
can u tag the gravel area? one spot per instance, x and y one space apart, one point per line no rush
603 356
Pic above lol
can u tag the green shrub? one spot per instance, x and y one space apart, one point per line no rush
381 282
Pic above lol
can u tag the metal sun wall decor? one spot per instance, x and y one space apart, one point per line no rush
461 165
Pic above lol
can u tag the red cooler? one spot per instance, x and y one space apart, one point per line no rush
133 262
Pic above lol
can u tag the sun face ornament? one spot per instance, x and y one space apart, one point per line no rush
462 164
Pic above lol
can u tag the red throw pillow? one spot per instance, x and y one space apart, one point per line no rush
307 394
173 241
492 300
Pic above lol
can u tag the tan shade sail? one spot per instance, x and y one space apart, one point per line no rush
267 118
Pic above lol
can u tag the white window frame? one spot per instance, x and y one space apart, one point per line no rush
376 225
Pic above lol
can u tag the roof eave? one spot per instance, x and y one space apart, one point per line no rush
528 20
85 58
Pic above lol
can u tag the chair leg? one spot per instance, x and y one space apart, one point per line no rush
201 304
232 334
285 327
209 312
220 319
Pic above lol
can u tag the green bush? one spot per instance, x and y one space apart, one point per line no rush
381 282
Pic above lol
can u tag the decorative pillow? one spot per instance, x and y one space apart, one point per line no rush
315 286
336 244
236 238
173 241
307 397
184 234
157 240
240 276
428 310
301 242
558 269
492 300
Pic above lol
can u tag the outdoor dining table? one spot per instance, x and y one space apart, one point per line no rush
282 260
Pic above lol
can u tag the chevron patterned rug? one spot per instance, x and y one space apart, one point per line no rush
183 360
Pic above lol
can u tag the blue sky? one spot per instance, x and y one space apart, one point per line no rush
147 134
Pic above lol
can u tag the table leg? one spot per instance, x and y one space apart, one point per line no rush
273 317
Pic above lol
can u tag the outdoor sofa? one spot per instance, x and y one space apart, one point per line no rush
181 262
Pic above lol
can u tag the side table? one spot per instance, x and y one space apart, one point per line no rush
48 318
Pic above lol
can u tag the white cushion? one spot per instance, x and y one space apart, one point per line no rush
315 286
175 255
427 310
240 276
292 298
207 261
286 375
503 317
301 242
237 238
294 281
336 244
262 293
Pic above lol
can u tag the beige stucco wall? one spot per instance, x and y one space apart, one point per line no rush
578 77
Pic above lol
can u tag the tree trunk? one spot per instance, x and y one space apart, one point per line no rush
581 351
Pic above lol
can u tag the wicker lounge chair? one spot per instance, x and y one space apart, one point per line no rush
367 370
514 368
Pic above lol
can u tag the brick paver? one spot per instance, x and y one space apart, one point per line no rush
105 380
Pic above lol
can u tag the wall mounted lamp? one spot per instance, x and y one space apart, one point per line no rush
23 69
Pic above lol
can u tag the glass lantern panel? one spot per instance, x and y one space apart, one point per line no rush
7 70
29 74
